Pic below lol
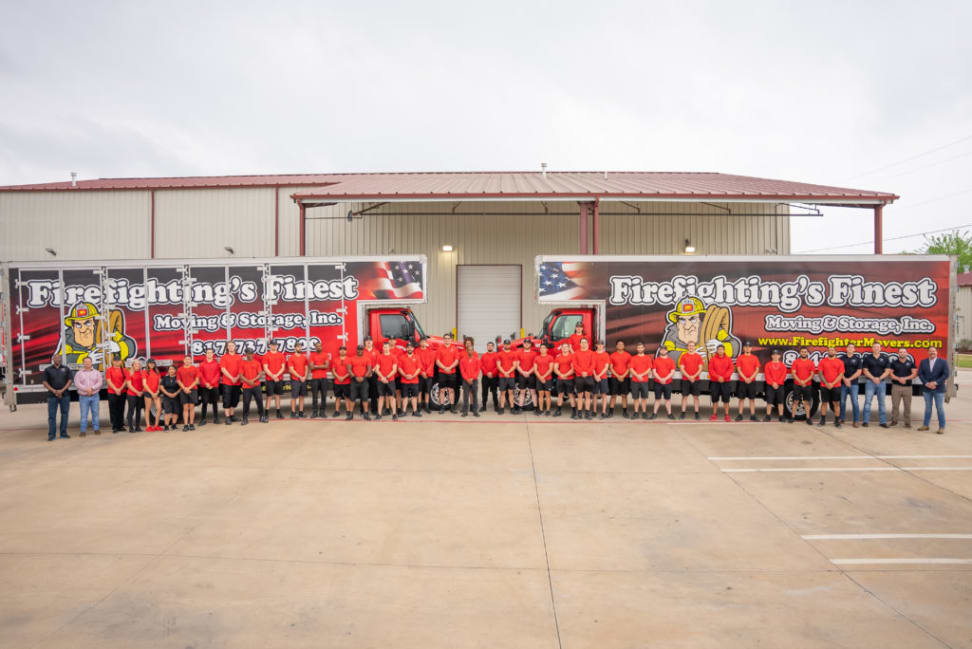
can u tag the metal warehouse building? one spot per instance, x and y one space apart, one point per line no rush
479 230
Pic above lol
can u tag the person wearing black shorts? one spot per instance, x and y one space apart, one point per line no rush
803 370
409 367
663 370
169 387
639 369
188 377
775 375
506 363
690 365
525 379
252 376
720 382
602 389
297 365
564 371
583 364
831 371
386 368
274 366
747 368
361 369
230 366
426 356
543 371
620 381
342 382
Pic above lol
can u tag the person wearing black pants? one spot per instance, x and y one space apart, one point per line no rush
469 370
136 402
251 375
117 380
490 381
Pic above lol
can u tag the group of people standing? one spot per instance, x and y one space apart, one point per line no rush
390 380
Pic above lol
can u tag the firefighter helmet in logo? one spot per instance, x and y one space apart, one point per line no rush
85 334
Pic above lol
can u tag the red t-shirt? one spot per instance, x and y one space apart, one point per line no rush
187 374
527 359
720 367
341 374
640 364
372 354
574 341
151 381
665 365
447 355
137 379
232 363
690 362
360 364
469 366
619 363
275 362
601 361
831 368
488 362
208 373
803 368
565 365
297 366
321 358
385 364
542 366
747 364
775 373
505 360
584 363
116 378
251 370
408 364
427 360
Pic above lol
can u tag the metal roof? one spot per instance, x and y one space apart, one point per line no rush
503 185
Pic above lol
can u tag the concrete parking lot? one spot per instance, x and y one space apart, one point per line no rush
499 532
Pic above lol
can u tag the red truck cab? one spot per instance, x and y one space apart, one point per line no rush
559 325
399 326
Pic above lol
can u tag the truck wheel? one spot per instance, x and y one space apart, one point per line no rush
800 413
434 395
527 398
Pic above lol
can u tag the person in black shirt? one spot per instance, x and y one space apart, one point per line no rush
57 380
876 369
169 388
849 386
903 370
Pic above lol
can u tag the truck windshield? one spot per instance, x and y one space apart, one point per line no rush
563 327
418 328
394 325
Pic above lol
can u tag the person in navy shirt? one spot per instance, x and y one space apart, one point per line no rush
849 386
933 372
876 371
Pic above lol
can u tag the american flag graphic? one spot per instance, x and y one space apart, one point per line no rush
561 280
398 280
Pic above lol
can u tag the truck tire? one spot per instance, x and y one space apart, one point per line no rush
527 400
800 415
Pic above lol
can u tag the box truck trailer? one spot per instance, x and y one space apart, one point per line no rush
782 303
167 309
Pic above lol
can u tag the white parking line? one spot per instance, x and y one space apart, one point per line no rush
914 561
848 469
836 457
854 537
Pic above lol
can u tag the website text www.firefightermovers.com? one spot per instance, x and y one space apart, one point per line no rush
837 341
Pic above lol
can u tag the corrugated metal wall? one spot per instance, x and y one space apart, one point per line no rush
202 222
963 312
82 225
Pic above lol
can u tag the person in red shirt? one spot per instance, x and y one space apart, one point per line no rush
720 381
620 381
409 368
543 370
274 366
747 367
775 378
297 368
230 365
342 382
564 371
447 362
151 395
803 369
117 379
506 362
426 357
188 378
602 364
663 369
386 367
252 375
488 363
639 368
690 365
525 379
361 368
831 377
372 353
576 337
209 386
134 397
320 365
583 365
469 369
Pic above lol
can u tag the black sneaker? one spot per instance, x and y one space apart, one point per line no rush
588 415
809 421
227 421
739 417
293 414
644 415
682 416
753 418
883 425
184 429
558 413
203 422
394 416
191 427
536 411
244 422
279 414
465 413
546 413
416 413
475 413
822 422
697 416
315 413
864 424
368 417
836 423
377 417
349 417
767 419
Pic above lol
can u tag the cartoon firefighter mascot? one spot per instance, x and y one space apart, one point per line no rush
85 333
708 327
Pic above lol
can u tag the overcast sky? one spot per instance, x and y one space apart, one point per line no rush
844 93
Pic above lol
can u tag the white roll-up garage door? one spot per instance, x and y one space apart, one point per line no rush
489 302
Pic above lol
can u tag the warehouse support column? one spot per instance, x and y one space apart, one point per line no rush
276 221
584 208
597 225
152 224
878 229
303 229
